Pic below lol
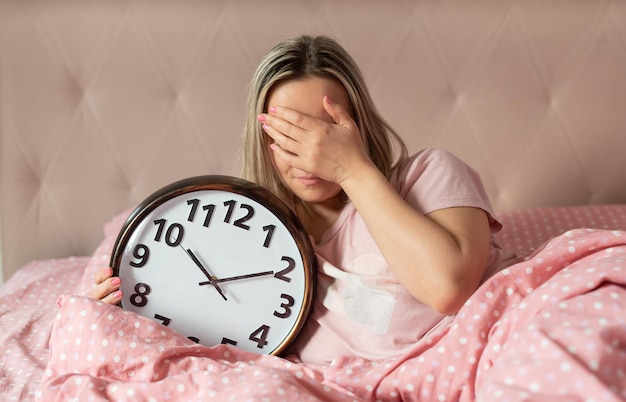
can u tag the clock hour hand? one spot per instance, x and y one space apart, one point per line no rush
236 278
211 281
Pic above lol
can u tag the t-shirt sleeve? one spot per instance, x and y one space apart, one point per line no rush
434 179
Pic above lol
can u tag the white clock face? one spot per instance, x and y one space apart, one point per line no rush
217 267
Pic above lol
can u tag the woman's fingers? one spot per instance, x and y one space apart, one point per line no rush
113 298
103 274
107 287
338 113
283 141
289 123
329 148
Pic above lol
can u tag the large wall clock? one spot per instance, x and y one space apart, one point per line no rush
219 260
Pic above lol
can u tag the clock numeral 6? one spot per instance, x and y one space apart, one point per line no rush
139 299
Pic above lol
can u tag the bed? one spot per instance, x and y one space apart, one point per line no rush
103 102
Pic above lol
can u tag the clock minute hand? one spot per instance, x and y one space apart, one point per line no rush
236 278
211 281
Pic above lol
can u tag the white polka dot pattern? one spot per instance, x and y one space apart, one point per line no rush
488 352
27 308
526 229
524 335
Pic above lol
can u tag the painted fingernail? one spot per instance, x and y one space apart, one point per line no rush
272 109
273 147
117 295
261 118
116 281
265 127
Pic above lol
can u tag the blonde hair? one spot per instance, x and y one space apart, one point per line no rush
298 58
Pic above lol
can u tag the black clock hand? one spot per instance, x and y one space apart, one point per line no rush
211 281
236 278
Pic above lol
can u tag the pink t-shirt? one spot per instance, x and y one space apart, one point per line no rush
360 308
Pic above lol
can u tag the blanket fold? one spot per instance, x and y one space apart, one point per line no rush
549 328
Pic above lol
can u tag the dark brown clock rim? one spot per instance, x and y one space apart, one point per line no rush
242 187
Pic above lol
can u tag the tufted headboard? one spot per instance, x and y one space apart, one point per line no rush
104 101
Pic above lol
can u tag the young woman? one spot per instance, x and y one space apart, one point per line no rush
401 242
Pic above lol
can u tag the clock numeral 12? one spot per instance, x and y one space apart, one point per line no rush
210 209
238 222
228 217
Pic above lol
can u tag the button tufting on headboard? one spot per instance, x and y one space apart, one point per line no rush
102 102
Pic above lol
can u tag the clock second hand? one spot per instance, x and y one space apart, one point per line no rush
235 278
211 281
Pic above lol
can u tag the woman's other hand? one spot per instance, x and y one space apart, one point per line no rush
107 287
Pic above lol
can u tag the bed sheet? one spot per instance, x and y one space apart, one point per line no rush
525 230
525 334
28 309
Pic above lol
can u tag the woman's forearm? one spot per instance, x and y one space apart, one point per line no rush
439 258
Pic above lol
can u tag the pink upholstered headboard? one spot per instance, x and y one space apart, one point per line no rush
104 101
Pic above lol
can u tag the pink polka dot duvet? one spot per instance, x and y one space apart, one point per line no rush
552 327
